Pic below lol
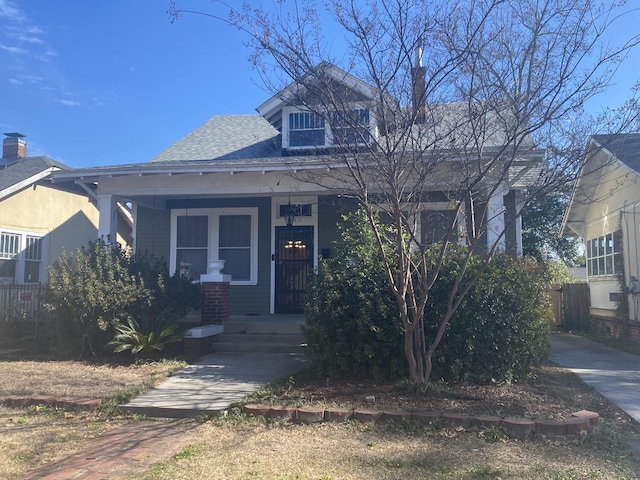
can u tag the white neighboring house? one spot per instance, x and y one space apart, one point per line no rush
605 212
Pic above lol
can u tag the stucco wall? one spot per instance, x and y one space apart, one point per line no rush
68 220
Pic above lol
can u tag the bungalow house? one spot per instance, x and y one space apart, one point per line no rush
605 212
38 219
232 190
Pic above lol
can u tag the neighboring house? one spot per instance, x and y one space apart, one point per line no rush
605 212
38 219
226 191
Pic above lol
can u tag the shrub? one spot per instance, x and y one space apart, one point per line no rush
98 292
499 333
352 327
89 293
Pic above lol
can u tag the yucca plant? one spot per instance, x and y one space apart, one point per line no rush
147 339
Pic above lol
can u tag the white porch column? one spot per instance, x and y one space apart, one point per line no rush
107 223
518 201
495 219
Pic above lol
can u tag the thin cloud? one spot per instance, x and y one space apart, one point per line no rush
9 10
12 49
69 103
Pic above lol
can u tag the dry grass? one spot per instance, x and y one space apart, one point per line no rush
235 447
351 451
30 438
240 448
69 379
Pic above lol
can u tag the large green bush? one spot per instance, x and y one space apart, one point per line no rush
499 333
90 292
101 289
352 326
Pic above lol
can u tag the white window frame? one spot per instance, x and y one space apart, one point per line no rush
602 258
328 133
214 215
21 256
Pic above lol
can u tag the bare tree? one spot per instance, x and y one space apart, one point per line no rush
470 101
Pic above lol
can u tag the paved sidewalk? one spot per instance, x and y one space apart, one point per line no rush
213 383
615 374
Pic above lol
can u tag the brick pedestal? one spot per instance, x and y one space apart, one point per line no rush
215 302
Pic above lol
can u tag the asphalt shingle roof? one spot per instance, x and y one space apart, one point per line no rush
21 170
226 137
625 147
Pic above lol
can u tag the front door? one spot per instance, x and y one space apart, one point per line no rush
294 263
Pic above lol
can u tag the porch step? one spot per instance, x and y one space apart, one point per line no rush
275 335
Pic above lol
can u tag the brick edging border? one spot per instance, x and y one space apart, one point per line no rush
85 405
577 426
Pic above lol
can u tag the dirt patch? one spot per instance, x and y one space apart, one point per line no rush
554 393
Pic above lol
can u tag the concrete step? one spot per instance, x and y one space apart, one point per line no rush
289 339
258 342
263 327
228 347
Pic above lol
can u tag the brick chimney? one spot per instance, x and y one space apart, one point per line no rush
14 147
419 85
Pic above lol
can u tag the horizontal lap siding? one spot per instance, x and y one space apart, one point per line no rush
330 211
153 229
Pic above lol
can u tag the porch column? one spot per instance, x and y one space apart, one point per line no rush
107 223
215 294
495 219
519 202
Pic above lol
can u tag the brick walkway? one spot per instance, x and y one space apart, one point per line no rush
121 454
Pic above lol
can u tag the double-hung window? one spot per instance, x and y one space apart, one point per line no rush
32 259
9 251
20 257
604 255
351 128
306 129
201 235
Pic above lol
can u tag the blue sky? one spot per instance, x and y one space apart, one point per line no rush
94 82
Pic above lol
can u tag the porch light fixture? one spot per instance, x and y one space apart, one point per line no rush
290 214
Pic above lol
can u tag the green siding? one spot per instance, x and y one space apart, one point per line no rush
245 299
153 231
330 211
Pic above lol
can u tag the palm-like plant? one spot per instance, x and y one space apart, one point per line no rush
146 339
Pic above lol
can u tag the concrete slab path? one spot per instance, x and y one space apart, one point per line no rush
211 385
615 374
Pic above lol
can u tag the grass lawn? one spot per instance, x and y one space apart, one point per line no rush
237 447
35 436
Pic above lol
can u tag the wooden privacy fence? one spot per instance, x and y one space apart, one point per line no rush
571 307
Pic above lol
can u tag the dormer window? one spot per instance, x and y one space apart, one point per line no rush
351 128
306 129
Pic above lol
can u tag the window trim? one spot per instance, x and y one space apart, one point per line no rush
329 140
214 215
21 256
613 254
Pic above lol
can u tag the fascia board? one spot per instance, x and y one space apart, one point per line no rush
27 182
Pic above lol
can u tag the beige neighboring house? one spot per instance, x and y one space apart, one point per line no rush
605 212
39 220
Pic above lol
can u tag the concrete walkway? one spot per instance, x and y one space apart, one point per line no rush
613 373
210 385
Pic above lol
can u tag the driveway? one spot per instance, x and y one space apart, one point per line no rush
615 374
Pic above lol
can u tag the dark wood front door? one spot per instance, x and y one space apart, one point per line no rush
294 263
